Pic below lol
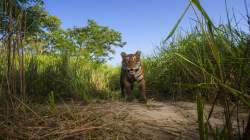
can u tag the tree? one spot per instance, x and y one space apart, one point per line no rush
98 41
92 42
22 15
43 39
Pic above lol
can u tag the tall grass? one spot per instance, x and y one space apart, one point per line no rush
210 60
67 77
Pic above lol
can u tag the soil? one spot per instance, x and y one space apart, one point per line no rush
113 120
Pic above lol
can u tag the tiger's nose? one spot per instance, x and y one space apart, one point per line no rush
131 70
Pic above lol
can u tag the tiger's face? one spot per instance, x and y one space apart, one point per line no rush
131 62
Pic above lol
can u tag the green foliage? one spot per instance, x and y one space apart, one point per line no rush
68 63
43 32
93 42
67 77
188 60
96 40
210 60
29 14
51 23
51 101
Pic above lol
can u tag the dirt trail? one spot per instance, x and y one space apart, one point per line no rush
111 120
161 120
165 120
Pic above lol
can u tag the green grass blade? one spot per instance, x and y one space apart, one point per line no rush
204 13
237 93
177 24
200 114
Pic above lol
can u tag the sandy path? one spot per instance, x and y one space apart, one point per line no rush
162 120
111 120
165 120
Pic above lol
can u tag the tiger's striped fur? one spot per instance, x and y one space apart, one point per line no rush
132 71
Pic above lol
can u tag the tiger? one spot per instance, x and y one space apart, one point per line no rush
132 71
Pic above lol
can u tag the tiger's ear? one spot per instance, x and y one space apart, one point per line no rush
123 54
138 53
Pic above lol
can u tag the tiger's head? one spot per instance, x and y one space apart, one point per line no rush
131 63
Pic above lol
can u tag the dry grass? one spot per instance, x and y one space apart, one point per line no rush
74 121
107 120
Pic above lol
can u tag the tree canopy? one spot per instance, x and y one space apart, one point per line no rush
42 32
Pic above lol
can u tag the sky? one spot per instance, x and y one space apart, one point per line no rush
142 23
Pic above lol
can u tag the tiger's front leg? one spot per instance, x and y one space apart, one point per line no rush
128 90
142 90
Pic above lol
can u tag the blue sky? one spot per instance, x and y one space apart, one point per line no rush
143 23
